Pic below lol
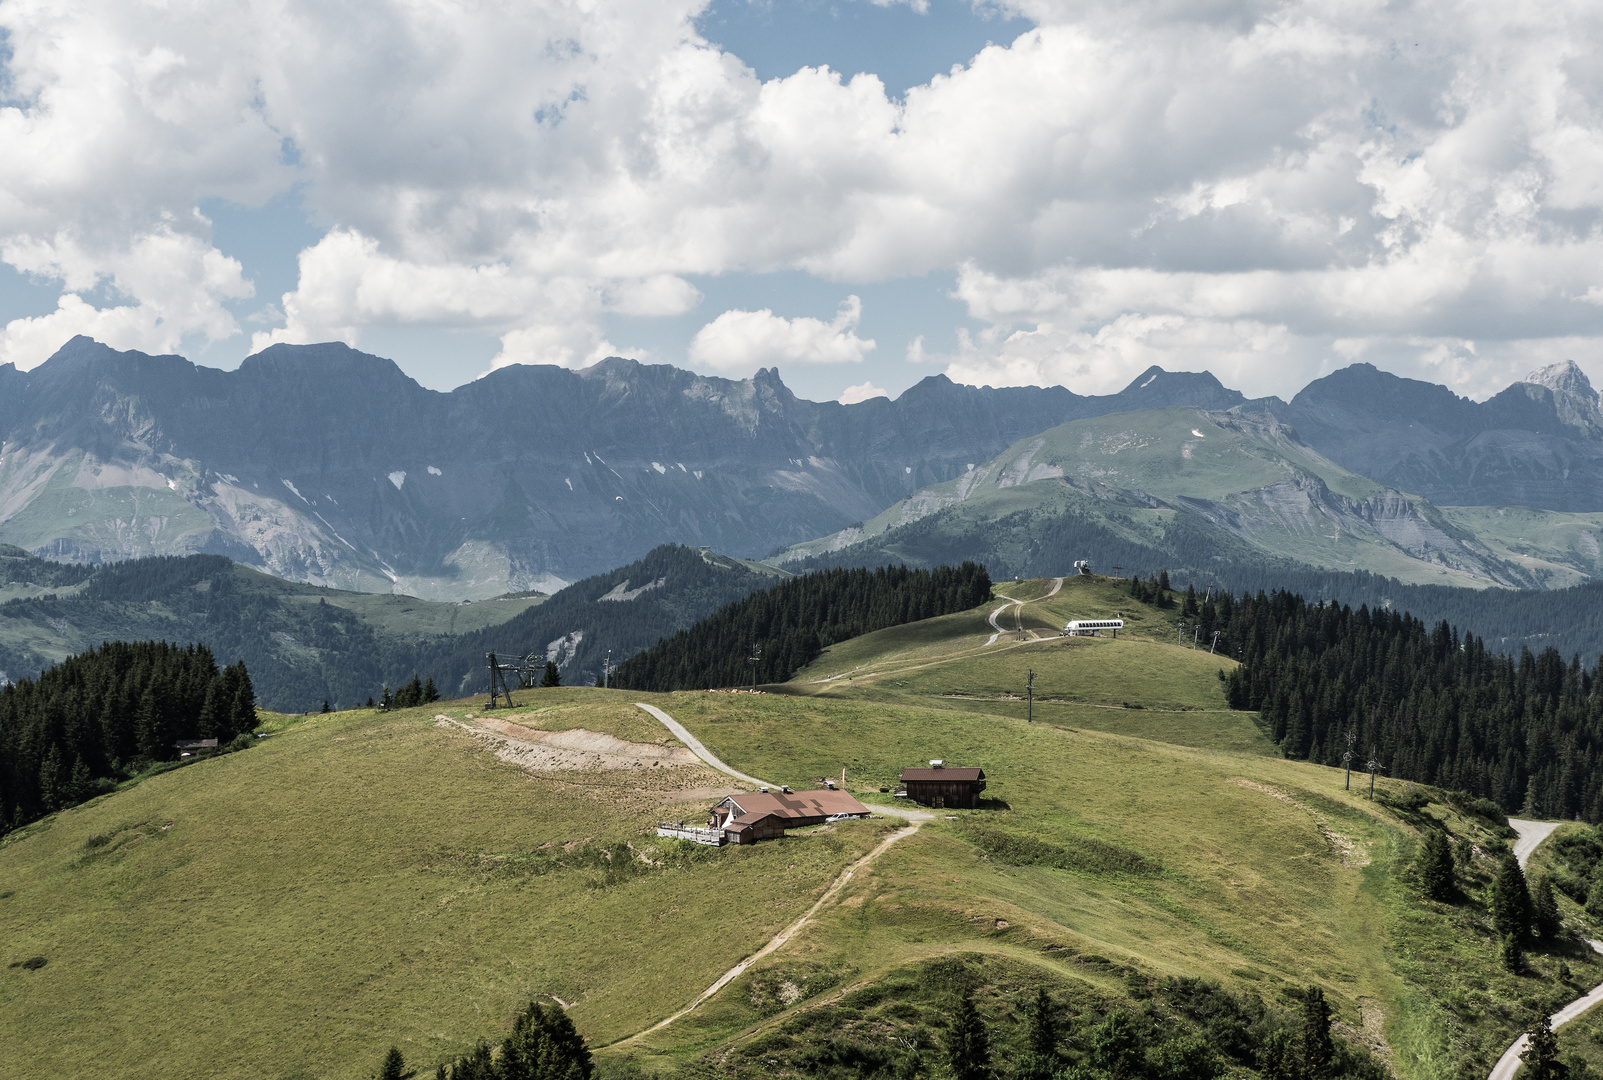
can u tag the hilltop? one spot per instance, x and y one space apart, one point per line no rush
357 880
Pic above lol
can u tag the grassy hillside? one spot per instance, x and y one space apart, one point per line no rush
1559 549
357 880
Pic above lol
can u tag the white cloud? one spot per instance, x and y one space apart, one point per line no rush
177 284
741 341
861 392
1239 184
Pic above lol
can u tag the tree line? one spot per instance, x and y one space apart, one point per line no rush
110 713
1182 1029
770 635
1428 703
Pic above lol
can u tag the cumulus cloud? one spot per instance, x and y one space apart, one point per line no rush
861 392
744 340
1241 185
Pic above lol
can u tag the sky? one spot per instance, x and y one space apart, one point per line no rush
861 193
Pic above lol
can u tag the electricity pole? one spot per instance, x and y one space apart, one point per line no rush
1029 693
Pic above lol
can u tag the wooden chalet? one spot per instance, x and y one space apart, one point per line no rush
763 815
943 787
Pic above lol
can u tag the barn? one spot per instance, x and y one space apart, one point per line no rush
765 815
943 787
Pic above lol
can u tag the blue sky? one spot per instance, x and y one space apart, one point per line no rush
1025 192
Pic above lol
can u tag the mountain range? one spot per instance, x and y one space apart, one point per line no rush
325 465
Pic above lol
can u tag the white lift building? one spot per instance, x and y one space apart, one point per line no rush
1092 627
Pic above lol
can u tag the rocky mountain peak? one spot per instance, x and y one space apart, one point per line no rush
1573 397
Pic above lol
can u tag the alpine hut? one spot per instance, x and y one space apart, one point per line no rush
942 787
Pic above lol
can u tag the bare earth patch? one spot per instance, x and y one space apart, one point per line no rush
557 751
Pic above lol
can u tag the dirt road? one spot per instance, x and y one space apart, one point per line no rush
698 749
915 818
1531 835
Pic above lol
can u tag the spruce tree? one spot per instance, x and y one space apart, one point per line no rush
967 1044
1511 956
1541 1052
394 1066
430 694
552 676
1314 1044
1043 1025
1435 866
1544 909
1511 900
544 1045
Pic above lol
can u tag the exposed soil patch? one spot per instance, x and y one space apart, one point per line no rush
557 751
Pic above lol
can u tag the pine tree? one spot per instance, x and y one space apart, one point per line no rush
1511 900
1435 866
544 1045
552 676
967 1044
50 779
394 1066
242 713
1277 1058
1541 1052
1043 1025
1544 909
1314 1044
1511 956
80 786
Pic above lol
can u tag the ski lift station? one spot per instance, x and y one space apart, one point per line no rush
1092 627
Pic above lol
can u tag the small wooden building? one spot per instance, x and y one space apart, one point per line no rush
944 787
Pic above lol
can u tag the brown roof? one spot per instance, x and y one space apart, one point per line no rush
800 804
745 821
956 776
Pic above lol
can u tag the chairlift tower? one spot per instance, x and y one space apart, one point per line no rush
1215 644
498 681
1029 695
754 659
1347 759
1372 765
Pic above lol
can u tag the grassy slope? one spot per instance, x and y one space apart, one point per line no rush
1273 875
363 879
1563 547
291 910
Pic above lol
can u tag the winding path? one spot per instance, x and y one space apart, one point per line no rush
1531 835
700 751
1057 584
915 818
